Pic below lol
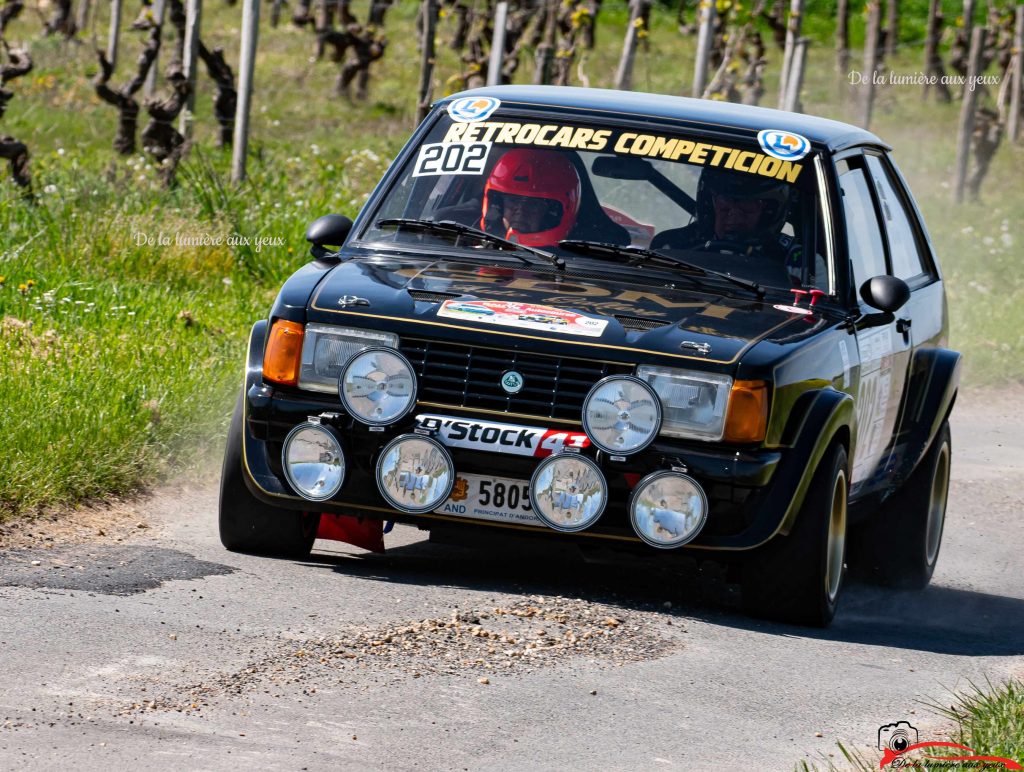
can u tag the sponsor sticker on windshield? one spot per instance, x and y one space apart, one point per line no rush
452 158
523 315
784 145
469 109
781 149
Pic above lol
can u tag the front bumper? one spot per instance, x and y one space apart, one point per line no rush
747 503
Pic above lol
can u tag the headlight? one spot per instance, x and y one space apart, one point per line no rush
378 386
568 492
313 461
668 509
621 414
415 474
693 403
327 348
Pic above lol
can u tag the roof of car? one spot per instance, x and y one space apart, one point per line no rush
833 134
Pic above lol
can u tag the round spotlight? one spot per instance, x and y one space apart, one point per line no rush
568 492
668 509
621 414
415 474
313 461
377 386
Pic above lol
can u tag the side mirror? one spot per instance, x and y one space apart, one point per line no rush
329 230
886 293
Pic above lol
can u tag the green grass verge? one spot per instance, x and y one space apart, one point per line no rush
120 360
989 720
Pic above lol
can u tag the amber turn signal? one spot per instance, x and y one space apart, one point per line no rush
283 355
747 419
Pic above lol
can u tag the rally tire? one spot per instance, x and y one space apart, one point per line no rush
246 523
899 545
798 578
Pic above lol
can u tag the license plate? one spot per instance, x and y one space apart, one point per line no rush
490 498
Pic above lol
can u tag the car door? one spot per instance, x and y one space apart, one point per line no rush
883 349
923 319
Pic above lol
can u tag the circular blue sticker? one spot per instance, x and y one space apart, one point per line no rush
784 145
469 109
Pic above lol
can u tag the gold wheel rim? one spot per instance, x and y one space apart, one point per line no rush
836 547
937 505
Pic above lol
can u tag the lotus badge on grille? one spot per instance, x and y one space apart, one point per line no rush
511 382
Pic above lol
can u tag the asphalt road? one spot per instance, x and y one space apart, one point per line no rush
165 651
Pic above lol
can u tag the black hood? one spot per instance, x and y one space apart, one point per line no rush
433 298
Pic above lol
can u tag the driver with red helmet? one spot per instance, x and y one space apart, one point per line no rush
532 197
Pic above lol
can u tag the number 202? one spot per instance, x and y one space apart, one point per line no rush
452 158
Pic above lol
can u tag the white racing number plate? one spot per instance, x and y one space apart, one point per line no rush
490 498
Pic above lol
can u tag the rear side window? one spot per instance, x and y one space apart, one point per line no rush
864 238
903 245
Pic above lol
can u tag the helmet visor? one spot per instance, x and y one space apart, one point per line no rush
527 214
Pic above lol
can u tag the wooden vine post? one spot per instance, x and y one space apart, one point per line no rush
795 81
159 11
246 66
793 25
706 11
871 60
497 45
189 59
427 62
1017 83
115 29
932 61
842 44
624 74
967 110
892 28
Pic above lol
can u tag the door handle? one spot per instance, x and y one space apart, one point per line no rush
903 327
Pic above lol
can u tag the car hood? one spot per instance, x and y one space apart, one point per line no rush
451 299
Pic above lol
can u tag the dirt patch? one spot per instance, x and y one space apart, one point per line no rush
485 643
120 520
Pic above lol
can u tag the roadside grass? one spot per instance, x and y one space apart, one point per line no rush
989 720
120 361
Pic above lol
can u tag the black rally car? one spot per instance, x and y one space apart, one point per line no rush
636 320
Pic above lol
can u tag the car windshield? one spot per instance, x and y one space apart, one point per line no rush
564 186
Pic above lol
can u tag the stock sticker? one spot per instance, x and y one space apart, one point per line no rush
499 437
523 315
784 145
469 109
452 158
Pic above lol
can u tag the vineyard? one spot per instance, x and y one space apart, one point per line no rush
131 266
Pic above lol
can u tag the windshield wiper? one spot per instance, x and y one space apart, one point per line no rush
640 255
458 229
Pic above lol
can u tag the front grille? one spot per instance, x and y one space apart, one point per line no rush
469 376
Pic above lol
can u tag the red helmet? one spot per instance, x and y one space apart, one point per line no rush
546 177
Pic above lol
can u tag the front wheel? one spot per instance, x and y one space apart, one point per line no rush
899 545
797 578
249 525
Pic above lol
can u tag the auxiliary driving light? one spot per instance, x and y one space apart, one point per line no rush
621 414
415 474
313 461
668 509
568 492
377 386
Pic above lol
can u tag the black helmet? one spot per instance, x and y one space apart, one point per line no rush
741 185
